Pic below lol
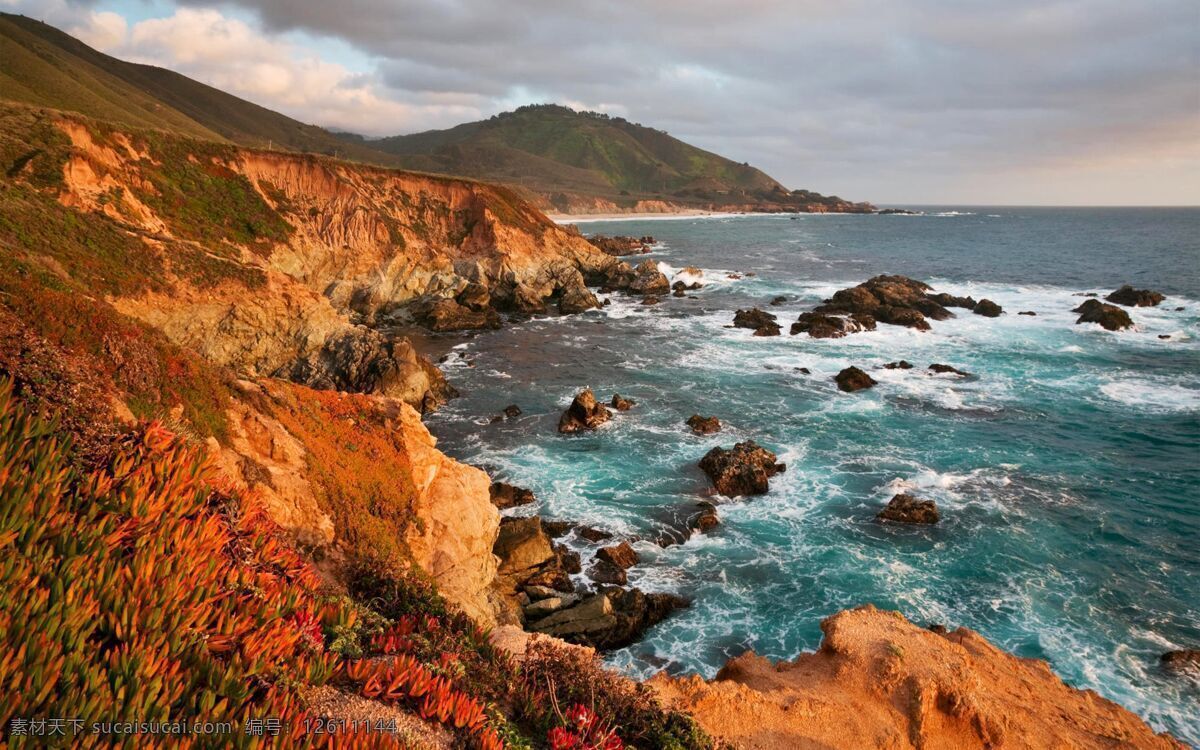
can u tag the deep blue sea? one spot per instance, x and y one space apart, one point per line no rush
1067 471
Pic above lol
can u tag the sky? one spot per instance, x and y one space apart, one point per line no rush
1059 102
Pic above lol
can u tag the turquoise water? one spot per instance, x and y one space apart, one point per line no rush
1067 471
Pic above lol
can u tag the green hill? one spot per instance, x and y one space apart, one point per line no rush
49 68
568 157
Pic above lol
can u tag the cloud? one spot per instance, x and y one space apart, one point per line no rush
922 101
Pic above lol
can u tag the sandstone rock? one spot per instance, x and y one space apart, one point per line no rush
540 592
947 369
649 280
551 576
474 296
611 619
762 323
903 364
505 495
853 379
1110 317
908 509
704 425
1131 297
549 605
583 413
742 470
988 309
622 404
603 571
621 555
880 681
568 559
448 315
523 549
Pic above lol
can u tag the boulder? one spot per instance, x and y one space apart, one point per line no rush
704 425
853 379
647 279
903 364
448 315
1110 317
539 609
1187 659
593 534
1131 297
622 404
512 411
555 529
523 548
988 309
762 323
824 326
621 555
583 413
908 509
610 619
603 571
551 577
576 298
742 470
650 299
706 520
568 559
505 495
947 369
949 300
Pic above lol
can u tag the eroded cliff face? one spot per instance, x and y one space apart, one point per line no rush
879 681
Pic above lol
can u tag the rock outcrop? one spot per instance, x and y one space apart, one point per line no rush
742 470
1110 317
584 413
704 425
988 309
1131 297
761 322
905 508
612 618
621 404
505 495
853 379
939 369
648 280
879 681
826 326
620 246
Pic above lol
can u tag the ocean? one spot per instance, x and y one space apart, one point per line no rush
1067 470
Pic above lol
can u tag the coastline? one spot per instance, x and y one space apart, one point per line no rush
655 216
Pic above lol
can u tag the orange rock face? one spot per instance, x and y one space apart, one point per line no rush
879 681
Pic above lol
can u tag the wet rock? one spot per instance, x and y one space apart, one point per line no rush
576 298
853 379
593 534
824 326
622 404
648 279
903 364
896 300
1110 317
762 323
584 413
803 371
1131 297
1181 660
557 529
779 300
650 299
512 411
706 520
603 571
988 309
1027 312
947 369
448 315
949 300
505 495
704 425
621 555
905 508
678 293
1164 336
742 470
568 559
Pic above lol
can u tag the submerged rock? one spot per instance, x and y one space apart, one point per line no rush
762 323
905 508
1131 297
706 520
988 309
512 411
947 369
584 413
622 404
903 364
1027 312
1110 317
650 299
505 495
853 379
778 300
704 425
742 470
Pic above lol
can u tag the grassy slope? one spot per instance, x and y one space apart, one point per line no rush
46 67
554 148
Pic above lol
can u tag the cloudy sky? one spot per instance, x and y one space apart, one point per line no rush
925 101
